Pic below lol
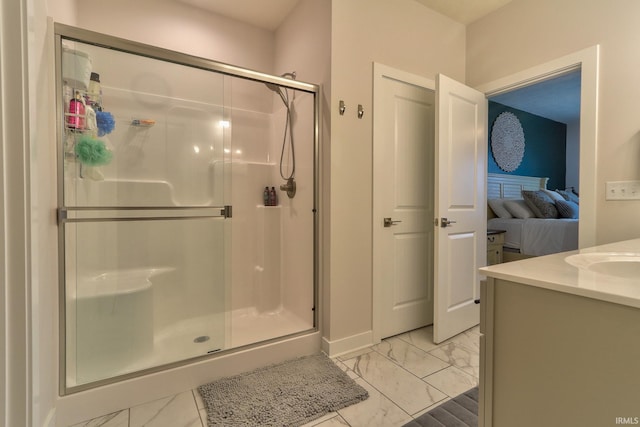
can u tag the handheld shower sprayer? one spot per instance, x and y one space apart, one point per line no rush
277 89
290 186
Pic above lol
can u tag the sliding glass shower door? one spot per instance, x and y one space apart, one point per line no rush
143 211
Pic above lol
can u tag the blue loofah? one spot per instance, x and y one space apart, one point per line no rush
106 122
92 152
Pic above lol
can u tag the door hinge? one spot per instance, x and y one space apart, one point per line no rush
227 211
61 215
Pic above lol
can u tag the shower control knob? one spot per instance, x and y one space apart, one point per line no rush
289 187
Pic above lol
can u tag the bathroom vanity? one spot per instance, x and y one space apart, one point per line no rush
560 343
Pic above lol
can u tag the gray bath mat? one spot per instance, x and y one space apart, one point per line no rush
461 411
287 394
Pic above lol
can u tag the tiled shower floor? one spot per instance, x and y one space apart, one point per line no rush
405 375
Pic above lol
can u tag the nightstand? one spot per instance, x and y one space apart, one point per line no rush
495 240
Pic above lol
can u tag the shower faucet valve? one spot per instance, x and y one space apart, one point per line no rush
289 187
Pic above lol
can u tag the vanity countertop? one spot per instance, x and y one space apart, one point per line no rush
555 273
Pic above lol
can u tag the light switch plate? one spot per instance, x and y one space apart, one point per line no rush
623 190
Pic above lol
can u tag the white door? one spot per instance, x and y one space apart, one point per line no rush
404 133
460 187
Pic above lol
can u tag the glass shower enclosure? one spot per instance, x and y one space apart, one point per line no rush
175 242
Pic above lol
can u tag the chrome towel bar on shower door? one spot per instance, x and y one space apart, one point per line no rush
137 214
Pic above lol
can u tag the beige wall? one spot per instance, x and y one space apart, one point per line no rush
177 26
526 33
43 286
303 42
404 35
63 11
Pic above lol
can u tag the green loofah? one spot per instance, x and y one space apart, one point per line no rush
92 152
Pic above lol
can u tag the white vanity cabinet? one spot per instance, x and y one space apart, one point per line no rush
558 353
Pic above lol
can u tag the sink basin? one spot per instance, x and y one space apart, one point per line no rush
618 264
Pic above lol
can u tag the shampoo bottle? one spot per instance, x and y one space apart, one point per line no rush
273 197
265 196
95 92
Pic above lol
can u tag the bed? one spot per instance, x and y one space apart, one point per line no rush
537 221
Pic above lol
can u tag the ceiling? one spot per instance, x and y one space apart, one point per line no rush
556 99
464 11
269 14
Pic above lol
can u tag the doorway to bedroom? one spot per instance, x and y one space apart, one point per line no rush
549 112
534 132
579 69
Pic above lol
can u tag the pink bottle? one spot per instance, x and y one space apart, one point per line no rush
75 120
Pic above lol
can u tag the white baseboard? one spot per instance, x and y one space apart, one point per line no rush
348 344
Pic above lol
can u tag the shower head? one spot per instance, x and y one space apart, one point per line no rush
274 87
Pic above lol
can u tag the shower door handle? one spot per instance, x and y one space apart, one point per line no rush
388 222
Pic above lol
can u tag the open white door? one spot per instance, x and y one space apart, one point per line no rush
460 206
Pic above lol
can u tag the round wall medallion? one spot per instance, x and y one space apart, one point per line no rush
507 142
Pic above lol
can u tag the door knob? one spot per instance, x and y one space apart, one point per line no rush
388 222
444 222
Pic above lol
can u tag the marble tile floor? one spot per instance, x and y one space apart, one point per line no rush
406 376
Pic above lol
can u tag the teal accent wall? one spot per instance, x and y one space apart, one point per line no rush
545 142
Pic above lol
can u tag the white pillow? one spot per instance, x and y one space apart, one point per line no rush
519 209
497 206
554 195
